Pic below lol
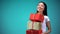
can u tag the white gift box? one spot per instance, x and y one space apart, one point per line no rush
34 25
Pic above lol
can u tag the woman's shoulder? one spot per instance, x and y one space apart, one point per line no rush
46 16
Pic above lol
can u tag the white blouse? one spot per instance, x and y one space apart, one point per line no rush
46 19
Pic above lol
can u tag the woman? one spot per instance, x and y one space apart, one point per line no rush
42 9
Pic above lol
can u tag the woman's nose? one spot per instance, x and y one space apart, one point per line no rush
39 7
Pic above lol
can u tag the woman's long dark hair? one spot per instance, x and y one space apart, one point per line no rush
45 9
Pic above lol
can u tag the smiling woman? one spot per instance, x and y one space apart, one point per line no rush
42 9
40 20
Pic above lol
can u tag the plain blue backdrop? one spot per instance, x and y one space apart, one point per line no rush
15 14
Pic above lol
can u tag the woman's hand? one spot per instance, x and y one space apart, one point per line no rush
45 33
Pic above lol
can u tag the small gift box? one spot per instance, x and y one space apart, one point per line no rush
37 17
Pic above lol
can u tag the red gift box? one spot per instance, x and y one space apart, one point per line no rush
37 17
34 32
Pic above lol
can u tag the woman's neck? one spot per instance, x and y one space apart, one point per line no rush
40 13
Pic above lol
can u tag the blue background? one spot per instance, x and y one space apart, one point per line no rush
15 14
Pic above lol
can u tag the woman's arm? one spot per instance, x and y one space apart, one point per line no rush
49 27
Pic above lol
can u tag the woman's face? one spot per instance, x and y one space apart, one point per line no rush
40 7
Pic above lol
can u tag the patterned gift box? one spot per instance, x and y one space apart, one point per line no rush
34 25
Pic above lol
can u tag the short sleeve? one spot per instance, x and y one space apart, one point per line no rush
47 19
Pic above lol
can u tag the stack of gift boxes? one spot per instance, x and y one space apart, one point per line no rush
35 24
